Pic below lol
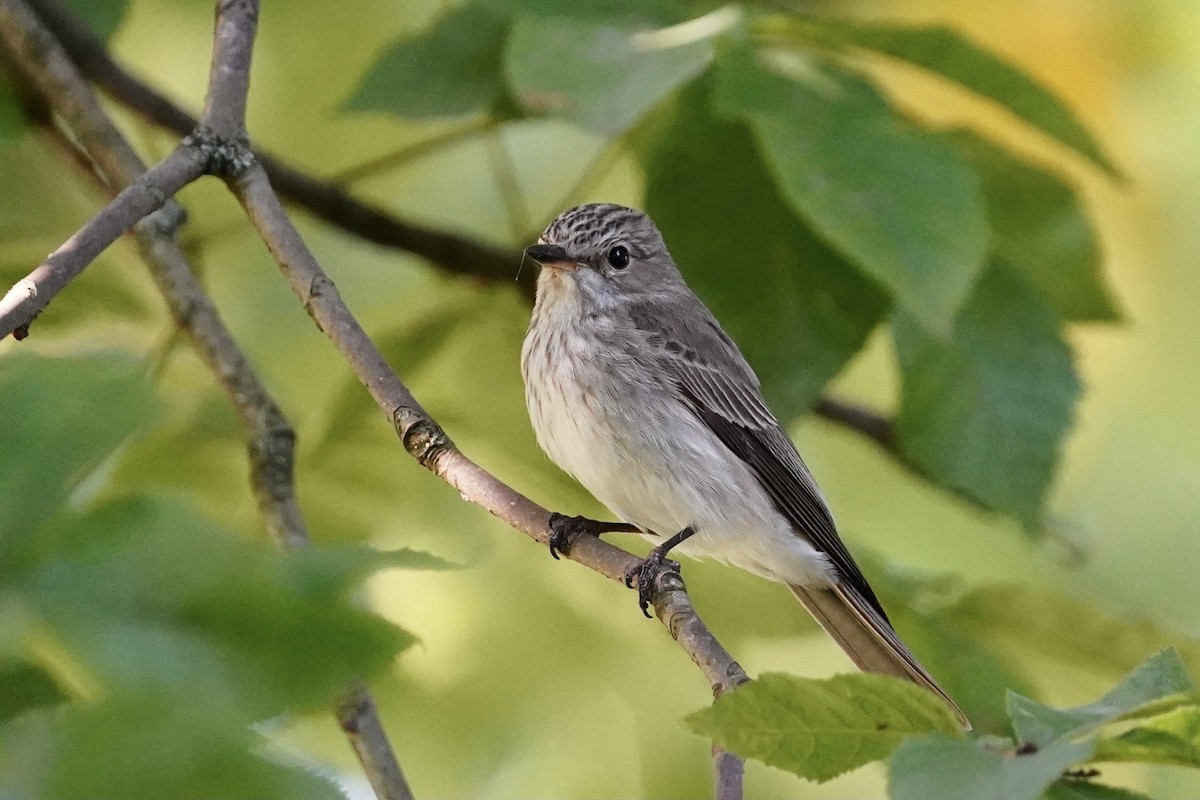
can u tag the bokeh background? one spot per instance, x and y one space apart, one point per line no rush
535 678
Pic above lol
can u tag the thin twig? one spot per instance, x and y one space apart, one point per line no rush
270 436
873 425
507 186
33 293
406 154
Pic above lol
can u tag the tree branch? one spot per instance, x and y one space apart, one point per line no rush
146 194
874 426
270 437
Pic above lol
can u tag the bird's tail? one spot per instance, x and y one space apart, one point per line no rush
872 644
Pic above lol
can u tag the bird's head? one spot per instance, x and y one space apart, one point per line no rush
603 254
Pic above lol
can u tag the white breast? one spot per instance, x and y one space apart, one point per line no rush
604 419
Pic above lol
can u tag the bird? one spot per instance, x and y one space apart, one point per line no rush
635 389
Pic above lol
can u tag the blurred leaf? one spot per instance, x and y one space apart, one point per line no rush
102 16
796 309
1161 675
62 415
1040 227
986 410
970 673
1072 631
1172 738
899 203
12 118
946 52
819 729
1086 790
599 76
144 594
940 768
149 745
188 636
334 570
452 68
24 686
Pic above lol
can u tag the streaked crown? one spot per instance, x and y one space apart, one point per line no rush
585 230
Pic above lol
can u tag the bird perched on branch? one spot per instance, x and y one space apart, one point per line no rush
635 390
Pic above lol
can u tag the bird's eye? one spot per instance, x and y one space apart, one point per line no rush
618 257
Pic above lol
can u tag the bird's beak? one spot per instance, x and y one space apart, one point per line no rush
550 255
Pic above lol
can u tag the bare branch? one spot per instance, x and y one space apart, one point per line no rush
147 193
229 76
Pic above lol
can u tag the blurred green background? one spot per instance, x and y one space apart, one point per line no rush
534 678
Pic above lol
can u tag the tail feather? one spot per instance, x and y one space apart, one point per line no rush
867 637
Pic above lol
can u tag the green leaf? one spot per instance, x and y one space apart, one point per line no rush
819 729
1086 790
985 411
24 686
334 570
1019 620
946 52
1040 228
146 745
597 75
941 768
1160 676
62 415
898 202
796 309
1172 738
146 595
453 68
12 118
102 16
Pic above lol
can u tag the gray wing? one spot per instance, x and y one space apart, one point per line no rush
721 389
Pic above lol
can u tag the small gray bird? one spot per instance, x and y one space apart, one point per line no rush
635 390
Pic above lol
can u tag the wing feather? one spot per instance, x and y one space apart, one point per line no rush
722 390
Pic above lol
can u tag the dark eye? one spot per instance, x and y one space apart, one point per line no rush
618 257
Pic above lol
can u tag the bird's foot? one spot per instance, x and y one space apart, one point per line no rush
565 530
646 574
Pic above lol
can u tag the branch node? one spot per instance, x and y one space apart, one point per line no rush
224 156
423 438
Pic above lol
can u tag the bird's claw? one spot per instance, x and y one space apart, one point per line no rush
565 530
646 573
